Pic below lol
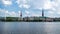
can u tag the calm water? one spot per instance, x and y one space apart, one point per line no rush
29 27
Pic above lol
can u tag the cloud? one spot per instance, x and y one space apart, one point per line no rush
58 12
58 7
4 13
47 5
24 1
36 15
19 12
13 14
37 3
53 7
27 12
50 5
21 1
7 2
51 12
2 10
18 1
24 6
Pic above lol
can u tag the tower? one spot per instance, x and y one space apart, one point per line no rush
21 14
42 13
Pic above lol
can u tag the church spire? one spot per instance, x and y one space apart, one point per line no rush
42 12
21 14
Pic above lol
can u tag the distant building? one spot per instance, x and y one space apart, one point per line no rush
49 19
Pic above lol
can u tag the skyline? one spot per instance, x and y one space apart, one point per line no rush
29 8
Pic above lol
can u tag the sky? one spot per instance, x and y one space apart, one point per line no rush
13 8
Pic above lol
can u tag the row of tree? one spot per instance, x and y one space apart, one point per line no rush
28 19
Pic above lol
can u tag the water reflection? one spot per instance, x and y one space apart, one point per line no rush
29 28
52 28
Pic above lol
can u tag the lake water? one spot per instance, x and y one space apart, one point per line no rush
29 27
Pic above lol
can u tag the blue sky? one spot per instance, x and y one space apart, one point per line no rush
29 8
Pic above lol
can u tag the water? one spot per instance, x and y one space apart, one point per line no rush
29 27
